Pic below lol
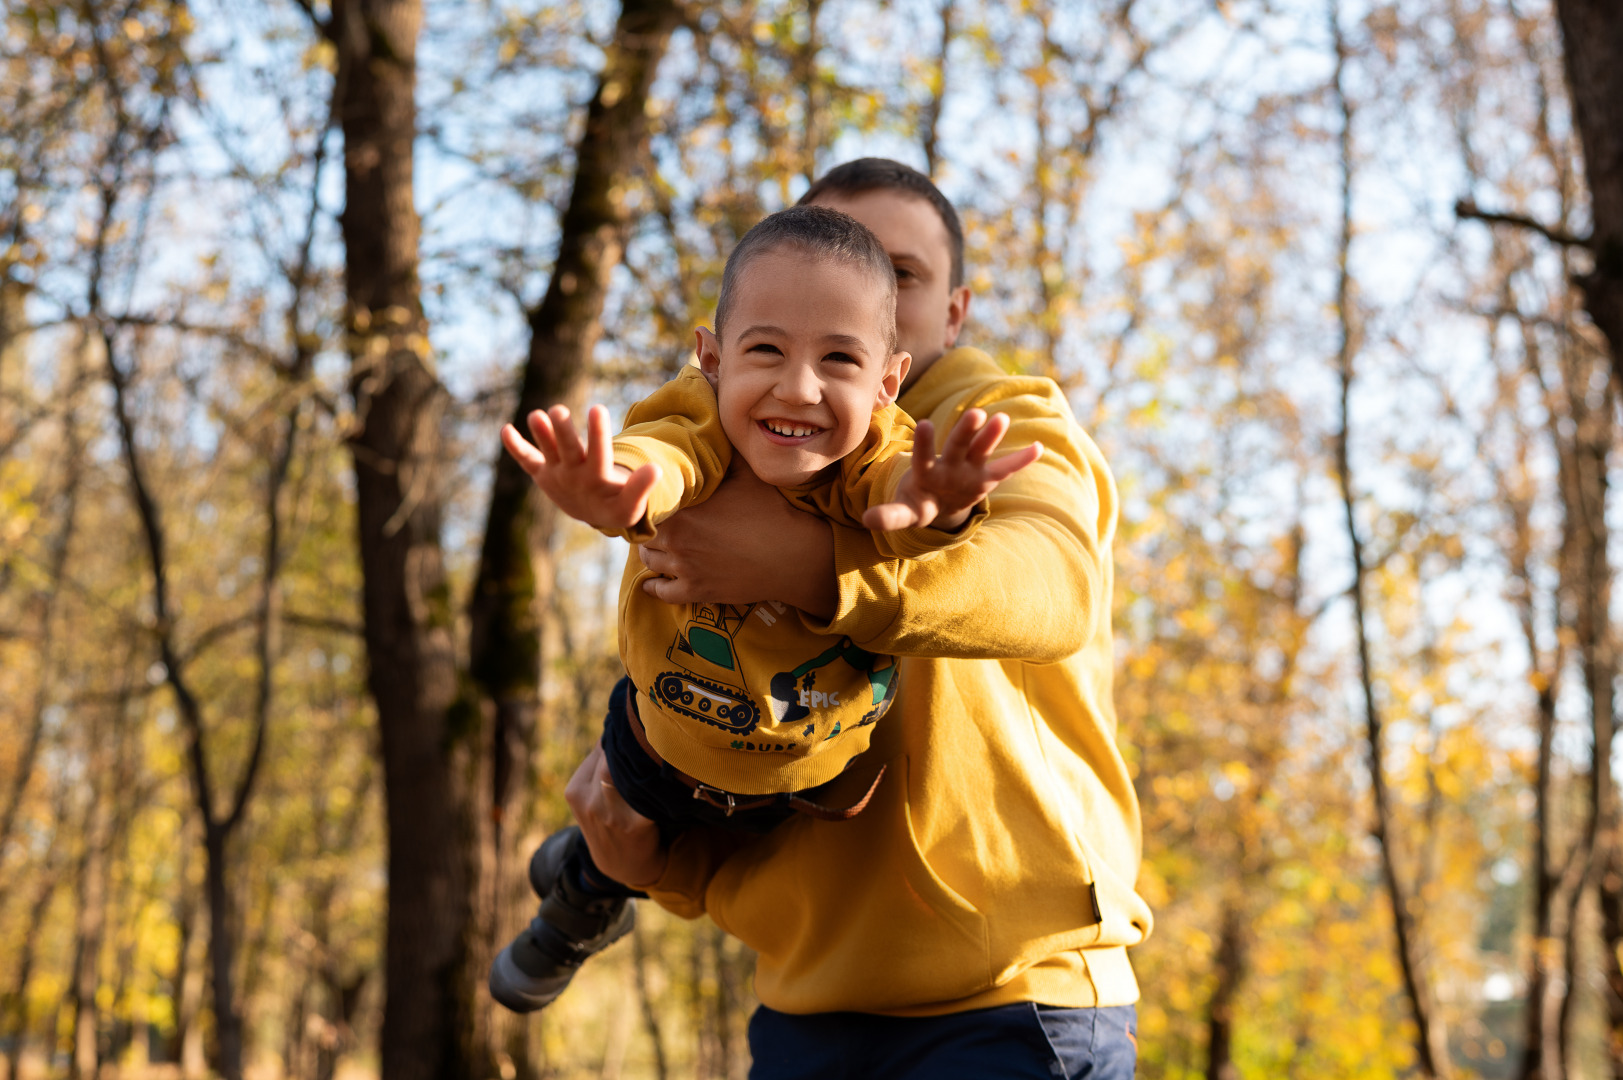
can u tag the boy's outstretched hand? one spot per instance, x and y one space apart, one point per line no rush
581 477
941 491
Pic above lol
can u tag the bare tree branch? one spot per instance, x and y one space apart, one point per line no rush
322 26
1466 209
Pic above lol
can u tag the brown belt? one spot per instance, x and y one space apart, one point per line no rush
727 801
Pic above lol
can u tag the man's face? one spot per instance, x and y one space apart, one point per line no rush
929 312
803 364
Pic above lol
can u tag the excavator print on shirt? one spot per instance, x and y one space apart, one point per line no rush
711 686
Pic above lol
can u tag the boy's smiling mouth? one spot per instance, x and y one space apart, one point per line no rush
784 429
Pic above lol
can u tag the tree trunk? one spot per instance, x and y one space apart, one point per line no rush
1229 969
455 750
222 952
399 478
1541 1053
1592 34
85 1060
1431 1042
813 94
18 1027
645 996
1592 31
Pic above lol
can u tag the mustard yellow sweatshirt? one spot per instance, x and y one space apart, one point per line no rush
997 860
752 699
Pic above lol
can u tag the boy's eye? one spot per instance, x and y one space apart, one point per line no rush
842 358
765 347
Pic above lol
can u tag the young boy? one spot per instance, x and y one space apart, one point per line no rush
743 716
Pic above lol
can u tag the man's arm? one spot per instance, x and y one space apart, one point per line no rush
1033 583
623 843
1041 554
743 545
626 846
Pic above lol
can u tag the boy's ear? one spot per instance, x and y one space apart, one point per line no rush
709 350
890 384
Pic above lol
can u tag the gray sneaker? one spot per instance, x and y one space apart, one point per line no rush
534 969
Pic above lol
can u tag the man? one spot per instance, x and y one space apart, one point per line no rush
973 920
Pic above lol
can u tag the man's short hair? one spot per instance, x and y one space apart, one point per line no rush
821 233
870 174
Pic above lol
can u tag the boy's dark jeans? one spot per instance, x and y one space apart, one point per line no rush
652 789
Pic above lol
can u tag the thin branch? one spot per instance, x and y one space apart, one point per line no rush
322 26
1465 208
321 622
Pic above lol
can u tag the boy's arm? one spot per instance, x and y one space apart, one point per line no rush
672 453
677 428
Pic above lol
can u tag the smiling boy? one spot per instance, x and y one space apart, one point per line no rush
742 716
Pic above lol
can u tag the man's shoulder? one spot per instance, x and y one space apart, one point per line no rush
968 378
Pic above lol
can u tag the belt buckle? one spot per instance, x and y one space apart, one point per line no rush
708 794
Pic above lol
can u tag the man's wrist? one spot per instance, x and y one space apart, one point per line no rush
814 586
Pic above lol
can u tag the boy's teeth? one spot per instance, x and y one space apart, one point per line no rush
791 430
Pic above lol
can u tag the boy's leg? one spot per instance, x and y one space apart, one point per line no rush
582 911
578 918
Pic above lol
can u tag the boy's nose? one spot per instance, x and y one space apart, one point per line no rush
798 385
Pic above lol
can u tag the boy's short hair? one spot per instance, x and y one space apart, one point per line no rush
870 174
822 234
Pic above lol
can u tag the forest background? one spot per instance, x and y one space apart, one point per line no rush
1322 277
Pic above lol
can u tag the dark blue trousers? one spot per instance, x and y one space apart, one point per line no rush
1011 1042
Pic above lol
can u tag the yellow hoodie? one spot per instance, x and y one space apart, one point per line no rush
997 860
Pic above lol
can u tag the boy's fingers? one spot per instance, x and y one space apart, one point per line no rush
987 439
599 443
888 517
962 435
634 496
528 458
546 439
924 446
1009 464
570 450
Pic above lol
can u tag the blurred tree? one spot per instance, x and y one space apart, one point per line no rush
1592 31
453 758
1431 1038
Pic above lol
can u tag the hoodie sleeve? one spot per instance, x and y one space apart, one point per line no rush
678 428
1032 582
